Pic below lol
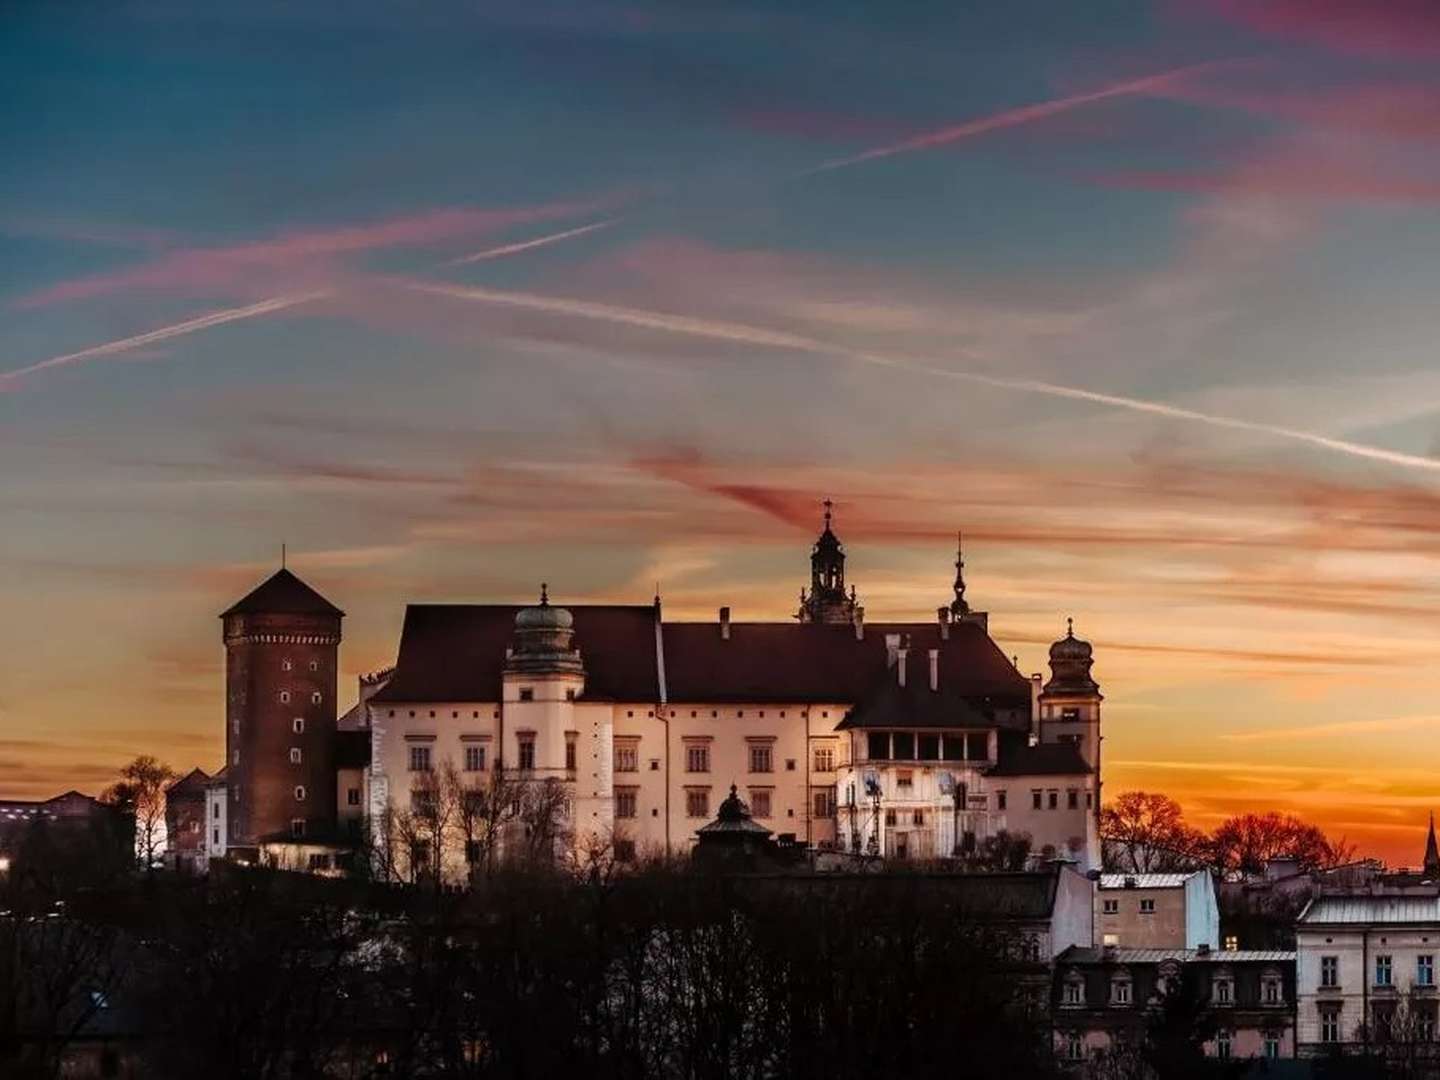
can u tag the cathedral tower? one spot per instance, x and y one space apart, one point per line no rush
827 601
282 646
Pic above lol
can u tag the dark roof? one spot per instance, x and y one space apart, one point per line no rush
801 663
282 593
1046 759
455 652
962 698
193 782
352 749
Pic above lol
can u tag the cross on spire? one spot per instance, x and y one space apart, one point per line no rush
959 606
829 508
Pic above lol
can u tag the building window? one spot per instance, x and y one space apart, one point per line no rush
1054 799
352 796
824 802
697 803
1270 990
1272 1045
697 758
824 759
1036 798
1072 798
759 803
315 698
286 665
761 757
419 759
314 665
1329 971
918 817
1070 713
889 817
284 697
527 693
570 753
625 802
903 746
235 757
1120 992
295 755
297 725
1111 907
999 800
1147 907
1222 1045
877 745
904 778
1425 1023
299 792
1330 1024
474 759
216 838
527 753
1074 1047
1425 969
1074 992
1383 970
1232 943
627 757
297 827
1224 991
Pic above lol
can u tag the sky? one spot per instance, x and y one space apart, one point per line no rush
457 297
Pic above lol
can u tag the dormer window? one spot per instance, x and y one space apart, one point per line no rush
1120 991
1073 993
1223 990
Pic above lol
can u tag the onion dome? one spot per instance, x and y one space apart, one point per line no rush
543 640
1070 662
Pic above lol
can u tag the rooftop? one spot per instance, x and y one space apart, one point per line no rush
282 593
1080 954
1147 881
1362 910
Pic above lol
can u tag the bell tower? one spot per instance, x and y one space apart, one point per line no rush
282 644
1070 703
827 601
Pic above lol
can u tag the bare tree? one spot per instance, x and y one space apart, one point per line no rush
140 791
482 810
545 811
1142 832
1247 842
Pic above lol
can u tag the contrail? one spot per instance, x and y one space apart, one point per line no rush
9 379
743 334
1012 118
526 245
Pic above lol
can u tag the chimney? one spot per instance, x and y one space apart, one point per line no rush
943 616
900 657
892 647
859 622
724 624
934 670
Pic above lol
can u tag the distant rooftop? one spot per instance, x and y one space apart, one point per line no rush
282 593
1080 954
1147 881
1362 910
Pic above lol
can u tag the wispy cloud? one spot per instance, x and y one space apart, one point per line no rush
527 245
1389 27
1341 727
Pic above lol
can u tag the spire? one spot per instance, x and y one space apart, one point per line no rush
828 600
959 606
1432 853
1070 627
829 513
544 594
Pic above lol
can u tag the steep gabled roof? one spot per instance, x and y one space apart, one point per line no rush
966 695
282 593
193 782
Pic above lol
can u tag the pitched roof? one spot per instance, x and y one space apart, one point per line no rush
1044 759
195 780
1083 954
282 593
456 652
965 694
806 663
1361 909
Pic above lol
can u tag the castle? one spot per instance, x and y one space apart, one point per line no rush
907 740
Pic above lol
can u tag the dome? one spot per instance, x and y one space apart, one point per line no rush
1070 647
543 616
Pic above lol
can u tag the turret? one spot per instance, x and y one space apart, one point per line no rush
827 601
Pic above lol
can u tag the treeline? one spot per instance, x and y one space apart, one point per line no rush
1144 832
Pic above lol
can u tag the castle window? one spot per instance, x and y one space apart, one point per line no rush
527 753
295 755
1147 907
297 725
824 799
625 799
1054 798
284 697
352 797
300 793
314 665
697 802
999 800
315 699
419 759
570 693
760 802
527 693
761 757
297 827
697 758
627 756
1070 712
1072 798
824 759
474 759
570 753
286 665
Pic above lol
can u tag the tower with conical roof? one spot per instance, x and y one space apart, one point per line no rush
1069 704
1431 866
282 643
827 600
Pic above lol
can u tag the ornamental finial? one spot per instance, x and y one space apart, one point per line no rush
829 508
544 594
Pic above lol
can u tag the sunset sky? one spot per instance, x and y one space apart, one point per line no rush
455 297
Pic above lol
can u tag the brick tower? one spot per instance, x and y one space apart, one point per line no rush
282 646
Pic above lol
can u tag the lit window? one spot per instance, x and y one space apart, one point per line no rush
761 757
1232 943
295 755
759 803
697 803
297 725
285 697
474 759
824 759
627 757
419 759
697 758
297 827
300 793
527 753
625 799
315 698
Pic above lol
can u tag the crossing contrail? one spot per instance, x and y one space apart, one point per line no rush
1009 118
10 379
743 334
526 245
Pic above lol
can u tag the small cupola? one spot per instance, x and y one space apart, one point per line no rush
1070 661
543 640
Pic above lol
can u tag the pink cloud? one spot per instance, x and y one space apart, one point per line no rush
1315 178
302 258
1364 26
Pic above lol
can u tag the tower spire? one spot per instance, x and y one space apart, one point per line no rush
959 606
1432 853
